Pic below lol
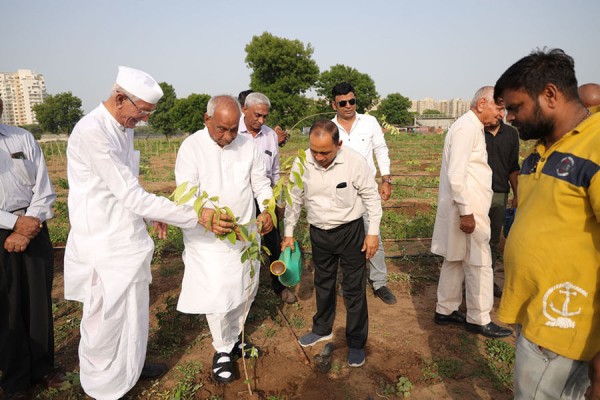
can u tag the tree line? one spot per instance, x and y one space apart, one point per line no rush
282 69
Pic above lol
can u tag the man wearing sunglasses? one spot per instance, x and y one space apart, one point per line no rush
108 254
363 134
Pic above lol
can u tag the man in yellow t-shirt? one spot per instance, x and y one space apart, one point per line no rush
552 255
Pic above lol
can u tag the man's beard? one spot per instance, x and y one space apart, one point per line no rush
538 128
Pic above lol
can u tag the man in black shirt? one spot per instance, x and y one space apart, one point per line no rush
502 142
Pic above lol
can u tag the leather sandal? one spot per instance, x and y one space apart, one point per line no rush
222 368
247 349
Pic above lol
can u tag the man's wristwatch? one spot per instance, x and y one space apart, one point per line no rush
387 180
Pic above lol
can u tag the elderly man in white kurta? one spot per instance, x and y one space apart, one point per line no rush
216 282
462 227
108 254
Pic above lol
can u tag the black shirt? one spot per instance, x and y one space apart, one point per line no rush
503 156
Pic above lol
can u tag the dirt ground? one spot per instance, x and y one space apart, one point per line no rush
404 343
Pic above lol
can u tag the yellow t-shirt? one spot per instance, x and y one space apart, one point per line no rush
552 255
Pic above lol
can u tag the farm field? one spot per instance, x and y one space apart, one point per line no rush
407 354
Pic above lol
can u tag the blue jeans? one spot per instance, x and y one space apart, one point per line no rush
541 374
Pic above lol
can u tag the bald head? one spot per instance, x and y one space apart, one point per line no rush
222 118
589 94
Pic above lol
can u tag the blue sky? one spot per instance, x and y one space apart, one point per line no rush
439 49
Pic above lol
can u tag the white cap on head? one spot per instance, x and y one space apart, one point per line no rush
139 84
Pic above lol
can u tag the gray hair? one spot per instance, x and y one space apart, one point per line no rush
486 92
118 89
257 98
215 100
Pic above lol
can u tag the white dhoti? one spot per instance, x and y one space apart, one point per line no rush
112 349
225 328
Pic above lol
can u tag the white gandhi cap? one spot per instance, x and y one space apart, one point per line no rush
139 84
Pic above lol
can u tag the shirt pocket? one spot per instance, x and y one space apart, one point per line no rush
24 171
345 196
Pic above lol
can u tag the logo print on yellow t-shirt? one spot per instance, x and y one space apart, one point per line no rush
558 315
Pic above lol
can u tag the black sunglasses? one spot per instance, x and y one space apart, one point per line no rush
344 102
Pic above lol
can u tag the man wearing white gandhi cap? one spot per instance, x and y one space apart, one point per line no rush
108 253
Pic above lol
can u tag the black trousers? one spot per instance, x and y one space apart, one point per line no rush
26 327
341 246
272 241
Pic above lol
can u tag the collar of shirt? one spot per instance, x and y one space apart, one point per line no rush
244 129
357 118
112 119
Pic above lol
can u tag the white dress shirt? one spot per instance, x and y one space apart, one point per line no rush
334 196
215 279
366 137
266 141
24 181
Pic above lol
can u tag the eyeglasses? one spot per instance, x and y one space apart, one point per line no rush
344 102
141 113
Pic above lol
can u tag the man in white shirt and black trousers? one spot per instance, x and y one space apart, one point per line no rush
338 189
26 266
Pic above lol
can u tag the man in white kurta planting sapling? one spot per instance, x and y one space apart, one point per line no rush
216 282
108 254
462 227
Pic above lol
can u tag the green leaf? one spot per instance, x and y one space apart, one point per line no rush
179 191
243 232
244 256
188 196
214 198
288 197
231 237
298 180
266 250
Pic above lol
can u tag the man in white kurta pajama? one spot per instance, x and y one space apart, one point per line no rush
462 228
216 282
108 254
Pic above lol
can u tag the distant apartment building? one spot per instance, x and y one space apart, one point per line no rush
20 91
452 108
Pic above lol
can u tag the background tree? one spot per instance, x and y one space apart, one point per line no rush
162 119
283 70
430 111
395 108
366 93
188 113
59 113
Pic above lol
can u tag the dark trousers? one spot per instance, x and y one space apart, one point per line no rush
497 214
341 246
26 328
272 241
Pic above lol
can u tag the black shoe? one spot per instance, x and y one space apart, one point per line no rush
497 291
385 295
153 371
222 368
247 349
456 317
490 330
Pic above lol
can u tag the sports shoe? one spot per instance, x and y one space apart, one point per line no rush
385 295
356 357
310 339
